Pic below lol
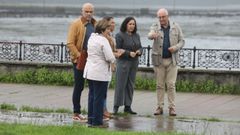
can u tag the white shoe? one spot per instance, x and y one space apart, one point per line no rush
80 118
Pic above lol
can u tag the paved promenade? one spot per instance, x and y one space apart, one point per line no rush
226 107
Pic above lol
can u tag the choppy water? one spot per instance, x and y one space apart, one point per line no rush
154 4
202 32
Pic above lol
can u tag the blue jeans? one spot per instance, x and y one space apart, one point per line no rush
78 88
105 102
97 93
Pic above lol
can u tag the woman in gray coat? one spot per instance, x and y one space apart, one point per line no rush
129 40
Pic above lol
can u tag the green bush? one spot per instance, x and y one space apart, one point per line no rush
145 84
208 86
25 77
45 76
5 106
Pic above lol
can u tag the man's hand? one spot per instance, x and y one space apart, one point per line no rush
171 49
154 35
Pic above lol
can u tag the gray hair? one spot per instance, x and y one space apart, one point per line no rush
87 5
162 10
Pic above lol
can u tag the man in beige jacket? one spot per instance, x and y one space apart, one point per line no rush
168 40
78 35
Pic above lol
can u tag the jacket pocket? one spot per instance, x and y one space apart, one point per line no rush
174 38
155 59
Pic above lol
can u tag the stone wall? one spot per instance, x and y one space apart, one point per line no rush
196 75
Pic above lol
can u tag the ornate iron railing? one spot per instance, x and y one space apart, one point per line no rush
58 53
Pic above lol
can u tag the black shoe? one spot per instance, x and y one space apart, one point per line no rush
115 110
129 110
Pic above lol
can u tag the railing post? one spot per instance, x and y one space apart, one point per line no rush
61 55
148 56
20 51
194 57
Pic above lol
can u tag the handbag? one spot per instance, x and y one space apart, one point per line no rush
82 59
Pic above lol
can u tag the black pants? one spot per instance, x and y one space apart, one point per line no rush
78 88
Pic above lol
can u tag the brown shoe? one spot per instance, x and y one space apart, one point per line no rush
106 118
107 114
172 112
159 111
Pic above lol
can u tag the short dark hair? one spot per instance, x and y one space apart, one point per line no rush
123 27
108 18
101 26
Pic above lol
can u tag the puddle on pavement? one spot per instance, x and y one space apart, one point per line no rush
35 118
129 123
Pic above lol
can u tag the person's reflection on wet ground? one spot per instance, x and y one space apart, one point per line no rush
164 123
122 123
134 123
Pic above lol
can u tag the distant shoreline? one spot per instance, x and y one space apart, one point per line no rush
60 11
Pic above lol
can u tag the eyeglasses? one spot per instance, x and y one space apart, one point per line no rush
88 12
161 17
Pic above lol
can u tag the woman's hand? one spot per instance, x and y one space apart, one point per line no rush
119 52
138 52
113 67
133 54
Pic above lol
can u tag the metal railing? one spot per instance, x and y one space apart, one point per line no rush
58 53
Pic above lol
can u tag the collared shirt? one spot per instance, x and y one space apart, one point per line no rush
89 31
166 43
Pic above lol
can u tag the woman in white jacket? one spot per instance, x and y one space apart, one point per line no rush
98 72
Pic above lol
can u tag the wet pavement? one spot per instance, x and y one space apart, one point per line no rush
129 123
191 109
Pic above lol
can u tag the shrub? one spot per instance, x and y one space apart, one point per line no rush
44 76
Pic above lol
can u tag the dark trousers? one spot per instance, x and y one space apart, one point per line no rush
96 96
78 88
125 80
